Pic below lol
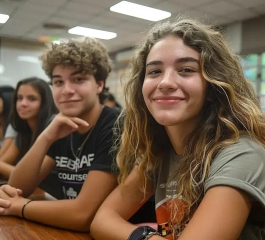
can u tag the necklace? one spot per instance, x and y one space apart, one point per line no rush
79 150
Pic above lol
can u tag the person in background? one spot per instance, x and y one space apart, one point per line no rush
9 137
110 101
194 135
78 141
32 109
6 95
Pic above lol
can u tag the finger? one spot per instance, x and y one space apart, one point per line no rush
4 203
19 191
80 122
3 211
11 191
71 124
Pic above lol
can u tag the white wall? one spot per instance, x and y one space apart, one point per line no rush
234 36
19 60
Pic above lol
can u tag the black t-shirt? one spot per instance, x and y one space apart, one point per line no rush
95 154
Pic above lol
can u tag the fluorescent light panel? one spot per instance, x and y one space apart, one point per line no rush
140 11
58 41
3 18
89 32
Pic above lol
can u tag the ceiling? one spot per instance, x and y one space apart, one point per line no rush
28 16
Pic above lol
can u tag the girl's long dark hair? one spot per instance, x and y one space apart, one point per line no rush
6 93
47 110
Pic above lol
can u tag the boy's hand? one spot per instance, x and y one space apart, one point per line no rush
11 202
62 126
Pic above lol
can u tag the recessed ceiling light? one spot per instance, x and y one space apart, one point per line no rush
3 18
89 32
48 38
139 11
58 41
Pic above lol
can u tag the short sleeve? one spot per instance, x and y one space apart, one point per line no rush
242 166
10 132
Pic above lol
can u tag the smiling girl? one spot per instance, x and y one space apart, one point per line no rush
32 109
194 135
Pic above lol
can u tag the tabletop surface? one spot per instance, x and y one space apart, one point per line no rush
20 229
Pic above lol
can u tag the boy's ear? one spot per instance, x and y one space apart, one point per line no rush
100 86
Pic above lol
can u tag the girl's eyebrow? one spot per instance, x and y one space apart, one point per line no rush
179 60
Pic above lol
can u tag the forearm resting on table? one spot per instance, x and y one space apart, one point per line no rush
28 169
65 214
112 226
6 169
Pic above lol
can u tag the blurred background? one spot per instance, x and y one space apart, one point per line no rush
32 23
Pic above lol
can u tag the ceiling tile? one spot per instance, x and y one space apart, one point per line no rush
7 9
195 14
117 16
248 3
82 8
95 26
220 8
104 22
240 15
12 33
11 4
77 17
13 22
101 3
170 6
260 9
48 32
49 2
69 22
191 3
41 7
28 16
133 27
148 3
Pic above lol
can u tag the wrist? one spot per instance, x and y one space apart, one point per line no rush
143 233
45 139
156 237
16 206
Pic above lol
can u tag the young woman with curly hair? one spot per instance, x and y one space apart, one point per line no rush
194 135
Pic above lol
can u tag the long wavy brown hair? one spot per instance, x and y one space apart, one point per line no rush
234 109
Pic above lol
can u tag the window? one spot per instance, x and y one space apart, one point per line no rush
251 73
263 59
250 60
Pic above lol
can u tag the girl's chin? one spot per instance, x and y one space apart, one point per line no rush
166 120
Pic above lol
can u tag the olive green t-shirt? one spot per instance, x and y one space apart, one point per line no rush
240 165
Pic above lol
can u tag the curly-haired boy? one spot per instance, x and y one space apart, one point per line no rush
78 140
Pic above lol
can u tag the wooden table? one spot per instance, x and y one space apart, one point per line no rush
14 228
20 229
